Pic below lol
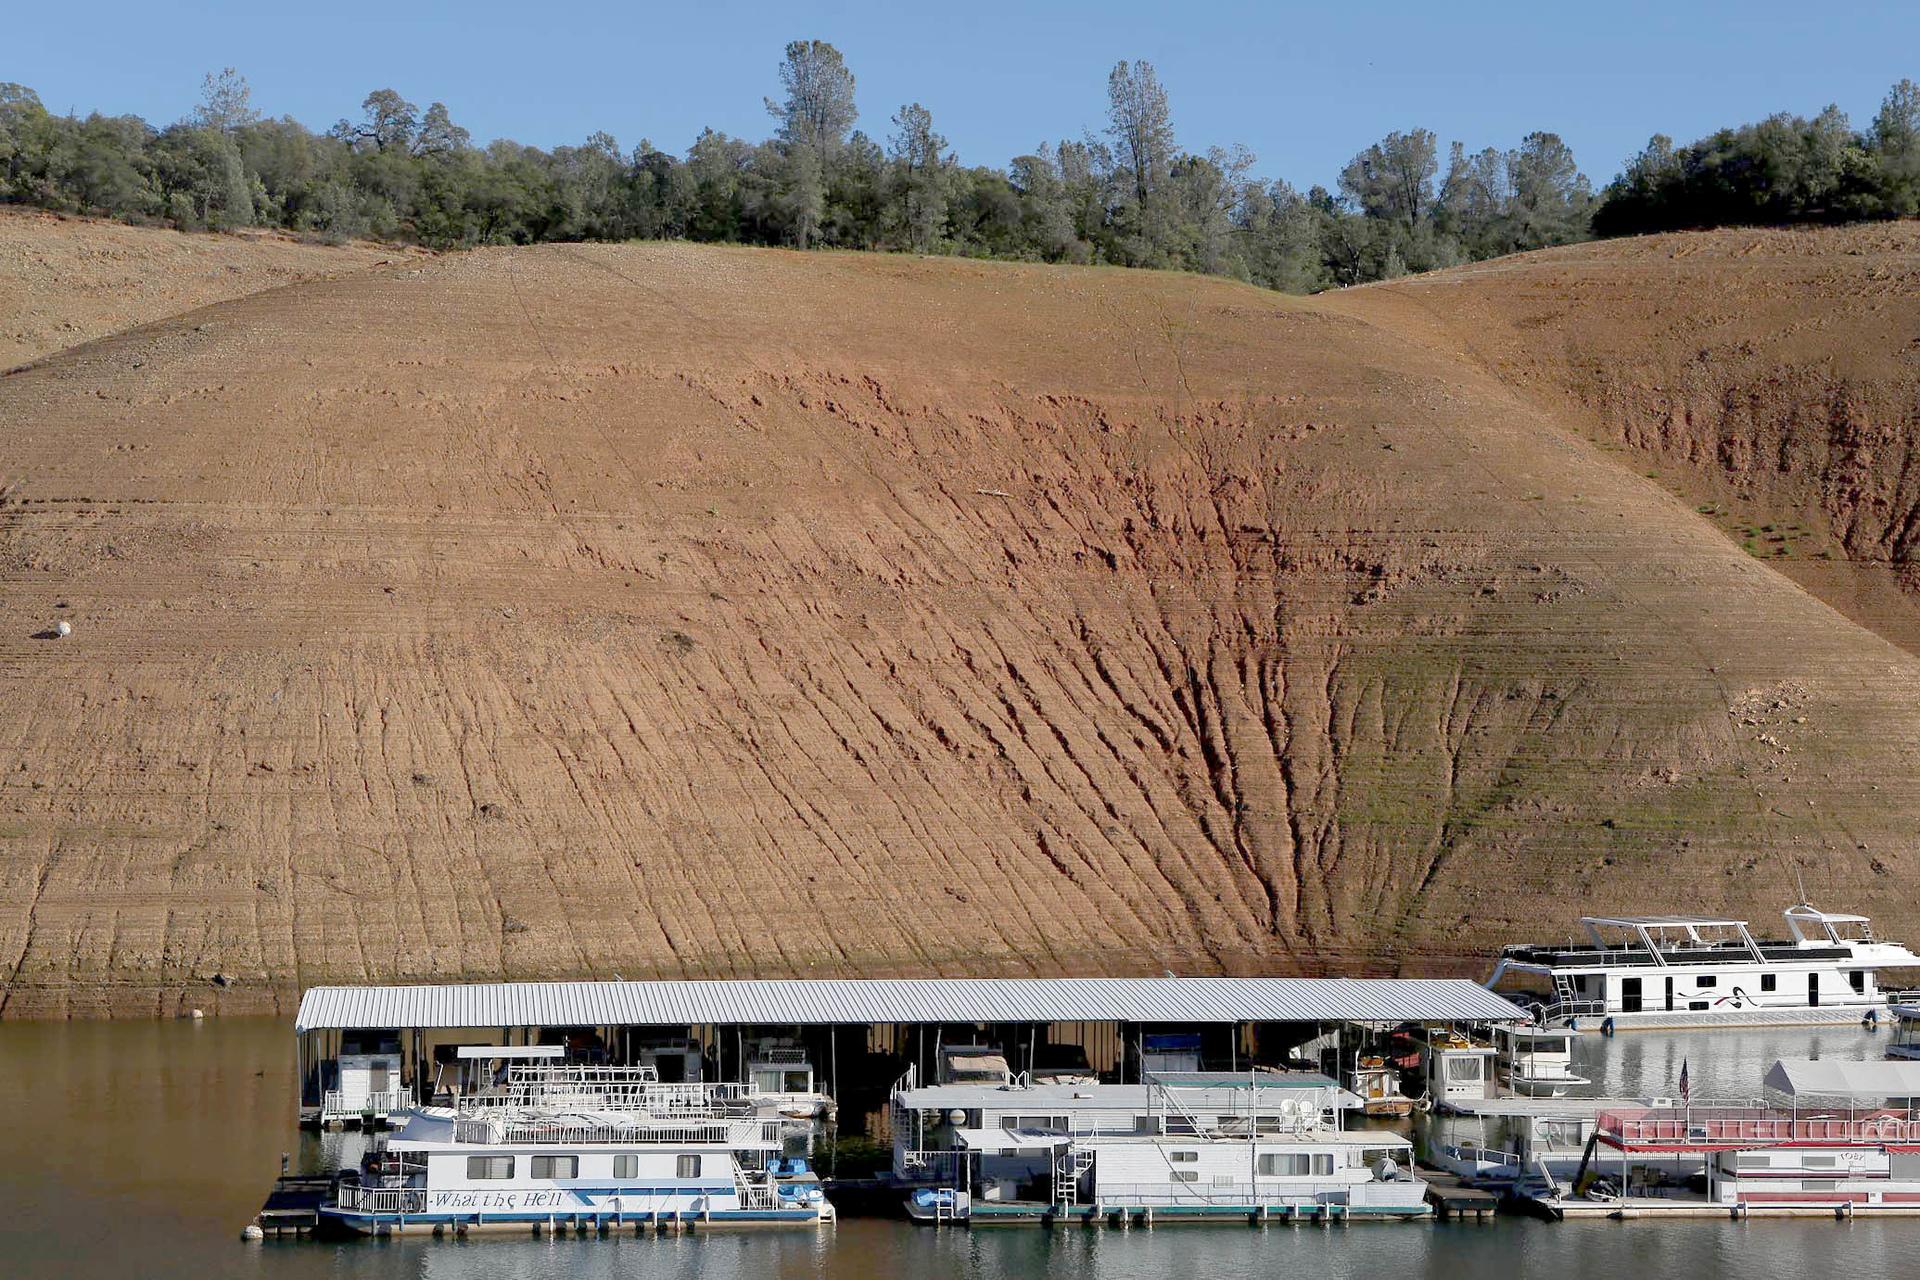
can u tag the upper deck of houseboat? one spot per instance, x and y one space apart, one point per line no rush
1663 941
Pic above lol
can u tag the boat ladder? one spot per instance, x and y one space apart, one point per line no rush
1067 1172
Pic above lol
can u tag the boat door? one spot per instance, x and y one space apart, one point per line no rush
1669 995
1813 991
1629 995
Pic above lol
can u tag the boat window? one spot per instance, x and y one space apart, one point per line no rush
1769 982
556 1166
1707 980
1185 1175
1857 978
1463 1067
1746 1161
1289 1164
626 1166
1819 1162
769 1081
489 1168
799 1082
1045 1124
687 1167
1183 1157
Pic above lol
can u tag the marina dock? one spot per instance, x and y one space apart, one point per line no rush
293 1206
1454 1201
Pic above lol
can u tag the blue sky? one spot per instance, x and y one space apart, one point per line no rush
1303 86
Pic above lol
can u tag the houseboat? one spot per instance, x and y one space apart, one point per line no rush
779 1080
1456 1068
1829 1138
1905 1042
1679 971
363 1085
1536 1062
556 1146
1257 1145
1376 1082
1509 1140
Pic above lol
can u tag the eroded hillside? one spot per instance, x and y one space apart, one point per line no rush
661 610
1771 378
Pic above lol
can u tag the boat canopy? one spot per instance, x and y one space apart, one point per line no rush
1655 922
1008 1142
1838 1078
488 1052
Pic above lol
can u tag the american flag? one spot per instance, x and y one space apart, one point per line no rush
1685 1091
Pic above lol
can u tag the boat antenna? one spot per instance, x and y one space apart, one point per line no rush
1801 883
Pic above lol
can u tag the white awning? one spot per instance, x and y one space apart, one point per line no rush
1840 1078
1008 1141
492 1051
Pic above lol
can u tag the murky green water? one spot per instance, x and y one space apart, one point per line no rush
139 1149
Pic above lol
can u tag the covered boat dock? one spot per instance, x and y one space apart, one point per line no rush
366 1050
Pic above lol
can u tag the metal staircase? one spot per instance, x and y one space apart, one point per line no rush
1071 1165
756 1188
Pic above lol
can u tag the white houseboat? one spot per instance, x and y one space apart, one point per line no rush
1905 1042
779 1079
1831 1138
553 1146
1678 971
1536 1062
366 1086
1456 1068
1257 1145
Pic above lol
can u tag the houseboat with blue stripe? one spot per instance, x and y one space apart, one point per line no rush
576 1148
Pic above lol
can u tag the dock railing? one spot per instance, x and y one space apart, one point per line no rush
1723 1126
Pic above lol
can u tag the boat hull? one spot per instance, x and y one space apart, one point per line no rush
1683 1019
358 1223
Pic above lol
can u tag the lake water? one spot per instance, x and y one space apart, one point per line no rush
139 1149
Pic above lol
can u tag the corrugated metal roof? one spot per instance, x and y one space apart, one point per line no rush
802 1001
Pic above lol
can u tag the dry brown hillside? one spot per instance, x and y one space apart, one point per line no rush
582 610
64 281
1769 377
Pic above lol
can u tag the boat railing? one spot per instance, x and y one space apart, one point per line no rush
382 1199
779 1055
607 1089
545 1130
1477 1153
935 1168
337 1102
1551 1010
1756 1126
756 1189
